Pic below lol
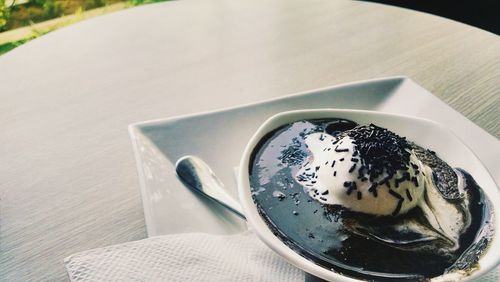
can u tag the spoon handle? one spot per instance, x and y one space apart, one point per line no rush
198 176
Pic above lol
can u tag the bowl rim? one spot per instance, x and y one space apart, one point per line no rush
487 262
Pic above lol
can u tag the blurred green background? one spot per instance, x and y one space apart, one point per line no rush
23 20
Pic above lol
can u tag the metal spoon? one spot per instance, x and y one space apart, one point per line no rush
198 176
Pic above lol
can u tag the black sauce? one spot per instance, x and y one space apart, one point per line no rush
319 232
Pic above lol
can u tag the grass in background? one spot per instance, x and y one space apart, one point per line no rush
4 48
34 13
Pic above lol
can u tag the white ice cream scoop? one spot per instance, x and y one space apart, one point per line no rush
336 174
372 170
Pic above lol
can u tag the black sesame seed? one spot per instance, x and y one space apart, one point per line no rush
335 173
400 201
405 176
351 187
341 150
341 160
398 208
326 163
408 195
317 168
325 192
361 171
352 168
354 160
322 198
380 150
373 189
360 195
333 163
415 181
395 194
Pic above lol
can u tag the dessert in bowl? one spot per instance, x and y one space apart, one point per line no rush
357 195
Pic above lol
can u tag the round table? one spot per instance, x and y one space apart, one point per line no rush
68 179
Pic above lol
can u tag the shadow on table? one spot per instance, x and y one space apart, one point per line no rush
483 14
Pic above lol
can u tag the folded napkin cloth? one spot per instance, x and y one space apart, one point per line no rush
190 257
183 257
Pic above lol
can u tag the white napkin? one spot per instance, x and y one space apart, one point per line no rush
183 257
190 257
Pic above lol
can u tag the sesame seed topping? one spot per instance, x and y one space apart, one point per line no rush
341 150
353 167
415 181
400 202
380 150
373 189
408 195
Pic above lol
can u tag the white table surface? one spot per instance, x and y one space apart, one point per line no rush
68 180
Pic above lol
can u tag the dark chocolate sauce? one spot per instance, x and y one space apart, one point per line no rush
324 234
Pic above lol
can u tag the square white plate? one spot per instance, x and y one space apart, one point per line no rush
219 138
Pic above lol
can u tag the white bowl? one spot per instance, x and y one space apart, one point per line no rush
425 133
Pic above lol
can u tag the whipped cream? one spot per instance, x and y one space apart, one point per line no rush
335 173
